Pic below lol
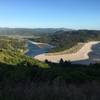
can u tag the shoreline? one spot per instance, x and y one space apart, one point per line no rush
71 50
82 54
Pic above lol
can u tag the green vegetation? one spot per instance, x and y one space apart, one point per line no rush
24 78
66 39
12 52
28 31
13 44
14 58
63 81
61 38
74 49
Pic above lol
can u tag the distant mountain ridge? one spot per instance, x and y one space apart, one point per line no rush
30 31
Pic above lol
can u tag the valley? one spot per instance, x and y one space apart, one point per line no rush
74 46
54 62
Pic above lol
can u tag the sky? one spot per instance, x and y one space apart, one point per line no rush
74 14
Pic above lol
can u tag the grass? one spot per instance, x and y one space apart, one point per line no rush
74 49
13 58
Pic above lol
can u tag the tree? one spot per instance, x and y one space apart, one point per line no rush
61 61
46 61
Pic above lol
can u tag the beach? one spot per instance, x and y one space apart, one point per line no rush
80 55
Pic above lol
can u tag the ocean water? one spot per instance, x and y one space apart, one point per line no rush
95 54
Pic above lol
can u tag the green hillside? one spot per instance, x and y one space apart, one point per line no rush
12 52
66 39
14 58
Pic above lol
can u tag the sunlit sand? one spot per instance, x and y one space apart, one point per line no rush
82 54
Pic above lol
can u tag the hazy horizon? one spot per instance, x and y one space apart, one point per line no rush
52 28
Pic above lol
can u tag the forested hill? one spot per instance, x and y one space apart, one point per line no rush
66 39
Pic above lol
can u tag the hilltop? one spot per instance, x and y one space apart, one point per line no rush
30 31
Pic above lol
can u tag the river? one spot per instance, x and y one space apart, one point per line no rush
35 49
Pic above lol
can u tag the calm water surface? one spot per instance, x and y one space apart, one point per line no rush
35 50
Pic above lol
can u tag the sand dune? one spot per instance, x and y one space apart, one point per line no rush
82 54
